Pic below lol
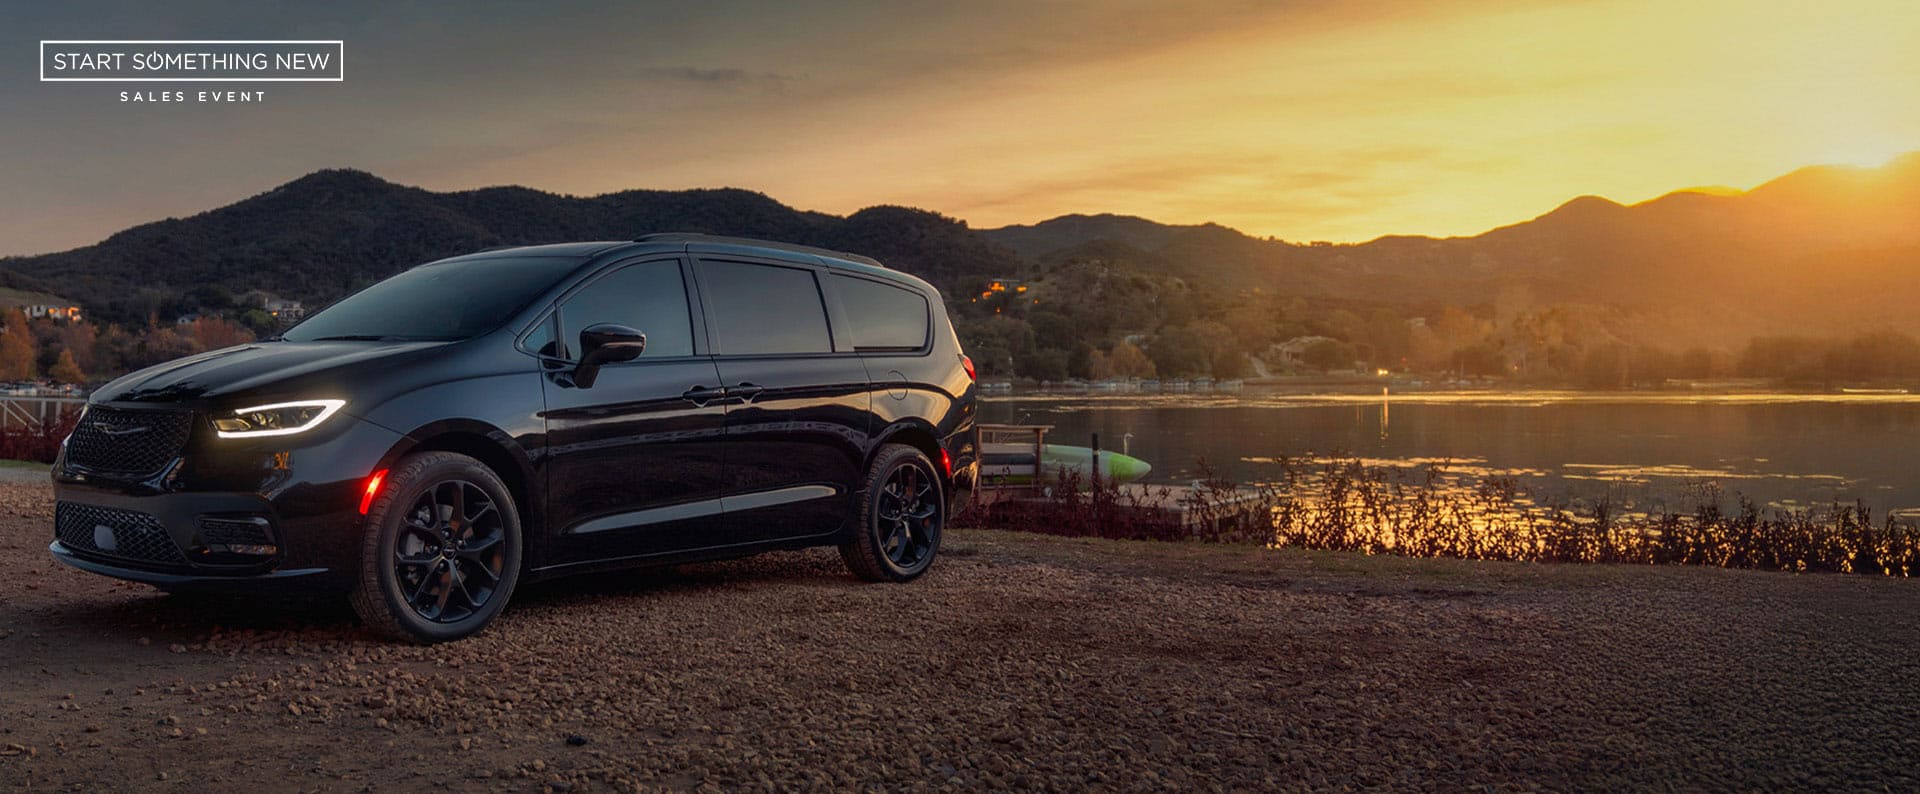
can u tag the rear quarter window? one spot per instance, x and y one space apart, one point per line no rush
883 317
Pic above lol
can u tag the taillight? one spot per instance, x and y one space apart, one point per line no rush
946 462
966 363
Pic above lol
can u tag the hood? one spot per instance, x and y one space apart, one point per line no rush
270 370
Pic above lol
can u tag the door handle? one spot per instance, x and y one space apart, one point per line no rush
744 390
701 395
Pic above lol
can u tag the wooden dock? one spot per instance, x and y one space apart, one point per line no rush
1022 493
1188 507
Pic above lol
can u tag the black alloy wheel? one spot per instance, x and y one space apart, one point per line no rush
902 512
449 554
909 516
441 552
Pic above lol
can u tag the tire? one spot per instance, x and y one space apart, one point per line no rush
902 493
421 571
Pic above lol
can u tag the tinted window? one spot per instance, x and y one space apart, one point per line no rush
882 316
649 297
764 309
444 301
540 339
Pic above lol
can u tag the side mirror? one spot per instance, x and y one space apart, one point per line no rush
605 343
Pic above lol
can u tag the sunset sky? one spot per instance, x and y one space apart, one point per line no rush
1306 121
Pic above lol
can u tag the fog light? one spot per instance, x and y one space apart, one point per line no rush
252 549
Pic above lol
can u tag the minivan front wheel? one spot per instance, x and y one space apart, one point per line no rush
902 510
441 553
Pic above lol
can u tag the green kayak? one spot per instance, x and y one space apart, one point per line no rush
1013 463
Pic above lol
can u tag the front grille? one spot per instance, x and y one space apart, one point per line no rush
127 443
125 534
250 531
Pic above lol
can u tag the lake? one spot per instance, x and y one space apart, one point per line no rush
1645 449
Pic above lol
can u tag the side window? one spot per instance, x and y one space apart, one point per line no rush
764 309
649 296
882 316
541 341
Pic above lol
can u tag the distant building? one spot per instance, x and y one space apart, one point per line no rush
39 305
279 308
1003 285
285 309
64 312
1293 351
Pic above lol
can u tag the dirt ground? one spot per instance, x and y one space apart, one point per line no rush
1019 662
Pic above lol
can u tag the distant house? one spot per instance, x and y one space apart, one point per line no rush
64 312
279 308
285 309
1003 285
37 305
1293 351
186 319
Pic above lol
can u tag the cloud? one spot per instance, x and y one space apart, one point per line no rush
725 77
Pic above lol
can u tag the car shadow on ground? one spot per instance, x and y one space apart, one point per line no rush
147 612
772 568
197 613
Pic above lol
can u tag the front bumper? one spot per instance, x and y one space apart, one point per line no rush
273 578
227 514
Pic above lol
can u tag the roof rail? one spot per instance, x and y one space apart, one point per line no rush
696 237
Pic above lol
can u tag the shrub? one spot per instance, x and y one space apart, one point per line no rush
1342 504
37 441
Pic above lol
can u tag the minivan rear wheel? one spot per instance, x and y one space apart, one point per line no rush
902 510
441 552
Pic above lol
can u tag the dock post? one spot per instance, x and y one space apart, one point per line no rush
1094 464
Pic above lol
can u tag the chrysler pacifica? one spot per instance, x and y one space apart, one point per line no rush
430 443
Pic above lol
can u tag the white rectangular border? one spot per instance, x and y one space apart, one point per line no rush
341 43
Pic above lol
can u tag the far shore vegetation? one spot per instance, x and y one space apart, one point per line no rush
1091 321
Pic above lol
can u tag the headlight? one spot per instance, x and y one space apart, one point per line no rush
278 419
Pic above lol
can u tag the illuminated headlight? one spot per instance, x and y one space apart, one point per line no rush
278 419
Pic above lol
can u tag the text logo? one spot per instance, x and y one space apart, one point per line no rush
196 61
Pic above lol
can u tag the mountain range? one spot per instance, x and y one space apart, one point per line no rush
1824 249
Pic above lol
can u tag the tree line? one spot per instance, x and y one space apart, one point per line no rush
82 352
1095 319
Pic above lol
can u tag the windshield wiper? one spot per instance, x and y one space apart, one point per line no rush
359 338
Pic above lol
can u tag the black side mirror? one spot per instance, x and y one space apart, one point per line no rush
605 343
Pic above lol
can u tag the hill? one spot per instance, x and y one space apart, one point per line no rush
1820 251
1823 249
325 234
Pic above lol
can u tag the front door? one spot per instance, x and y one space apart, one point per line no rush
797 415
635 462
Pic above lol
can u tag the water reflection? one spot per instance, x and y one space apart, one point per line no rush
1781 450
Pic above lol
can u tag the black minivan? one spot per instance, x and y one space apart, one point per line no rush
434 440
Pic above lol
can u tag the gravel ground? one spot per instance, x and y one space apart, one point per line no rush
21 471
1019 662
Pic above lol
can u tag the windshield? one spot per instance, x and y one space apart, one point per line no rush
444 302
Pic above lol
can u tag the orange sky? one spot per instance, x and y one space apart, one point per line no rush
1307 121
1346 127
